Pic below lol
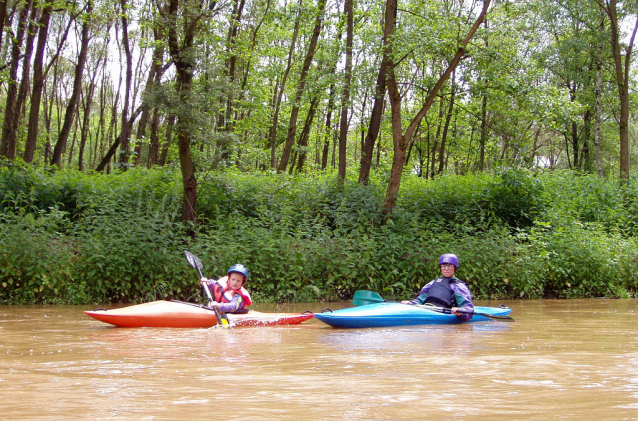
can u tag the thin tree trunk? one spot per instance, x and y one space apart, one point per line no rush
84 131
483 138
183 60
598 93
345 101
3 18
400 139
292 125
9 130
38 83
280 92
446 127
622 73
56 159
26 70
328 128
168 140
126 130
231 63
373 127
305 133
102 165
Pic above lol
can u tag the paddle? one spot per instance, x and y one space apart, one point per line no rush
194 261
362 298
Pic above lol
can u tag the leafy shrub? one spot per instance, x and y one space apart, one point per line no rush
73 237
35 261
127 257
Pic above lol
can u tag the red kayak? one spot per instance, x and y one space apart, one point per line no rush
179 314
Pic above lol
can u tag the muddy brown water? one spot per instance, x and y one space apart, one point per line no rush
566 360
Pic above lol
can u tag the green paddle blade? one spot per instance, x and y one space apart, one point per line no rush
362 298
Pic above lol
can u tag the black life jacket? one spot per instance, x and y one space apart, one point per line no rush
440 293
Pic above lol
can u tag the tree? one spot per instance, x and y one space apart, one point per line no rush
622 69
401 139
343 124
310 52
182 53
60 146
9 127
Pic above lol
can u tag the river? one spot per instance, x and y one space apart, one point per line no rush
561 359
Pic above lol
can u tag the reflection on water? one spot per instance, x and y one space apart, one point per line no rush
561 359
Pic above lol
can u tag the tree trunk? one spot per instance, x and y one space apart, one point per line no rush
126 130
3 18
598 117
345 101
279 91
9 130
292 125
168 140
373 127
305 133
401 140
26 70
622 73
56 159
183 59
102 165
231 63
328 127
84 131
483 139
38 83
446 127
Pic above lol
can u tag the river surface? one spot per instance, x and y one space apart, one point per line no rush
565 360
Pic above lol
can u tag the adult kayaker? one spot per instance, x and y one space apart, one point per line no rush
447 291
228 292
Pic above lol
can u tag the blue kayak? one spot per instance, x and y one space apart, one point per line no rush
397 314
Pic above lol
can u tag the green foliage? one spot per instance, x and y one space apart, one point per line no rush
35 261
118 237
513 197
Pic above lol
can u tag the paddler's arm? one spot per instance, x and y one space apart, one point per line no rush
208 284
237 303
463 300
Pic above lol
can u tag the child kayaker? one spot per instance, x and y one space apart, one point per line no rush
447 291
228 292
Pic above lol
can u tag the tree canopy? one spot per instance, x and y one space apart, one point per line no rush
396 86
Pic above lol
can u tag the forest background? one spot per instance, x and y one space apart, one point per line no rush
330 146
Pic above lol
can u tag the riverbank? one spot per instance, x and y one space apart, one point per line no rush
70 237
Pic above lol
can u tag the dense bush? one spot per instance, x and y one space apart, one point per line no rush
69 237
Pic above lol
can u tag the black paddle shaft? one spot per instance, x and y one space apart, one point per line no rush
197 264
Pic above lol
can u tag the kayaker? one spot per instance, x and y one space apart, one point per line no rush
228 292
447 291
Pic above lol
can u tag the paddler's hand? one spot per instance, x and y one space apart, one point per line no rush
406 302
203 281
214 304
454 311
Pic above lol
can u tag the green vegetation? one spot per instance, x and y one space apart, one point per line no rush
69 237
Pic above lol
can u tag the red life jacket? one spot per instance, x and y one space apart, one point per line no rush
223 294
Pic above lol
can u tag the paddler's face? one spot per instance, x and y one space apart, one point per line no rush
447 270
235 280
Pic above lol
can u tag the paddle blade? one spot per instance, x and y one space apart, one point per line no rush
222 319
505 318
194 262
362 298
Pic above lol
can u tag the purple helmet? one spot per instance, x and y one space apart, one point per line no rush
239 268
449 258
